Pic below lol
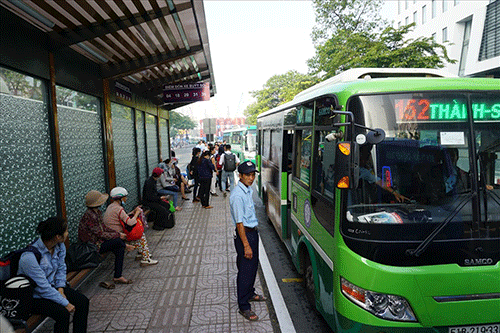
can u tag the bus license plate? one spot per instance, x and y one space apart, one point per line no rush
494 328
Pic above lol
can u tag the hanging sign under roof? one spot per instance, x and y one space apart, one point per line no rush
189 92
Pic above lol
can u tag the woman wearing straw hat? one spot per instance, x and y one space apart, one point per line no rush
93 230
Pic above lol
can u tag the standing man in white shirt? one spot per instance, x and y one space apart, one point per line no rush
229 162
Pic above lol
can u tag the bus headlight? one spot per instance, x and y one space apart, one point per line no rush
390 307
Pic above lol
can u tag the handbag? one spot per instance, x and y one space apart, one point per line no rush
134 232
82 255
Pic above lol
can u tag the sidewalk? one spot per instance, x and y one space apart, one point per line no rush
192 289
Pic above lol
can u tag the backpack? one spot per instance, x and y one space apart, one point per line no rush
229 162
16 292
10 263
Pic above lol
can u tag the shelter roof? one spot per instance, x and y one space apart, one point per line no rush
145 44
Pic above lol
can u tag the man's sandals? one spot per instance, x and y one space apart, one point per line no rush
258 298
249 315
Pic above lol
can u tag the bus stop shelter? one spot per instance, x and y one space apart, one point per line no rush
81 100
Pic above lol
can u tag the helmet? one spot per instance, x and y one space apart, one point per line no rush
118 192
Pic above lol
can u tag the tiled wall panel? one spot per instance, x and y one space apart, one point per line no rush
152 142
141 148
27 193
125 152
82 158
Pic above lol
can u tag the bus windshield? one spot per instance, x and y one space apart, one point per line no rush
431 164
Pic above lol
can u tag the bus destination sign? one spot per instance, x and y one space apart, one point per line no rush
423 110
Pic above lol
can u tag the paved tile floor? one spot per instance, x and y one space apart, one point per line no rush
192 289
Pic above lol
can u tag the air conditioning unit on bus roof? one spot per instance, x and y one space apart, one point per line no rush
354 74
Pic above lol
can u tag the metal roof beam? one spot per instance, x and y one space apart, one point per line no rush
96 30
117 70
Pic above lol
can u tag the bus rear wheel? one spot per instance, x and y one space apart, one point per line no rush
309 282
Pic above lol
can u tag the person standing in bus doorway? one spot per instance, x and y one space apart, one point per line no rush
246 240
229 162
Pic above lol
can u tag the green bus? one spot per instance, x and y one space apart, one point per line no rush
384 185
243 141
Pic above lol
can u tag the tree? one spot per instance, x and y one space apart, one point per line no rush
348 15
178 122
277 90
388 49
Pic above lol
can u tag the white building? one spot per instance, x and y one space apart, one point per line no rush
469 29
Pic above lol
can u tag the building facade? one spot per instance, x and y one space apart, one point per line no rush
470 30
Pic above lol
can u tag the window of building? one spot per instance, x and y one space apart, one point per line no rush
445 5
434 37
399 7
399 24
465 48
407 20
406 4
434 9
415 17
424 14
445 34
456 2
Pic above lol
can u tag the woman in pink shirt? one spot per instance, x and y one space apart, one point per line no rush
114 216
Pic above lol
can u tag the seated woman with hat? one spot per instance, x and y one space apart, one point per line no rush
93 230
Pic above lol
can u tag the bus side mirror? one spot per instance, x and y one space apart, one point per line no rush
347 165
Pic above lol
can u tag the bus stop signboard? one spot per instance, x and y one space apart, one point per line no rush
189 92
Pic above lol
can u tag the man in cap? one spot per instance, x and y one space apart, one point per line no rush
246 240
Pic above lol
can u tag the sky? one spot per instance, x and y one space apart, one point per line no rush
250 41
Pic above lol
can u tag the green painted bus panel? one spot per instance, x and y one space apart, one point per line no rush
316 230
346 325
284 185
419 285
324 289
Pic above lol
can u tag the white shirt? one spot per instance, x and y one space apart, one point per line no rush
221 160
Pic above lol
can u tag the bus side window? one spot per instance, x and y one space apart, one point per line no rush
324 164
303 155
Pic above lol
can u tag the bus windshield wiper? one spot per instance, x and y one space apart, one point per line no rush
427 241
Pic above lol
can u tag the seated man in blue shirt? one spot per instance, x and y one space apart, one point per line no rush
52 297
246 240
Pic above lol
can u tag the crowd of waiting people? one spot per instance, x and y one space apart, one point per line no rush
208 169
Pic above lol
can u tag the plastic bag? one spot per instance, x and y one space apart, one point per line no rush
82 255
134 232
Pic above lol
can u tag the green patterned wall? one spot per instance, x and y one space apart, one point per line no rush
82 154
152 142
125 152
27 174
164 138
141 148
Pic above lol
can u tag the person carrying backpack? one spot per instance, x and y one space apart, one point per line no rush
229 162
52 297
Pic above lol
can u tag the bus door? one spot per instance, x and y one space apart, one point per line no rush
287 178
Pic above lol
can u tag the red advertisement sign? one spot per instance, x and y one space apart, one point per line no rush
189 92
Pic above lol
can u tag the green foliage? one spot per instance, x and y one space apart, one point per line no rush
178 122
349 15
18 84
388 49
277 90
